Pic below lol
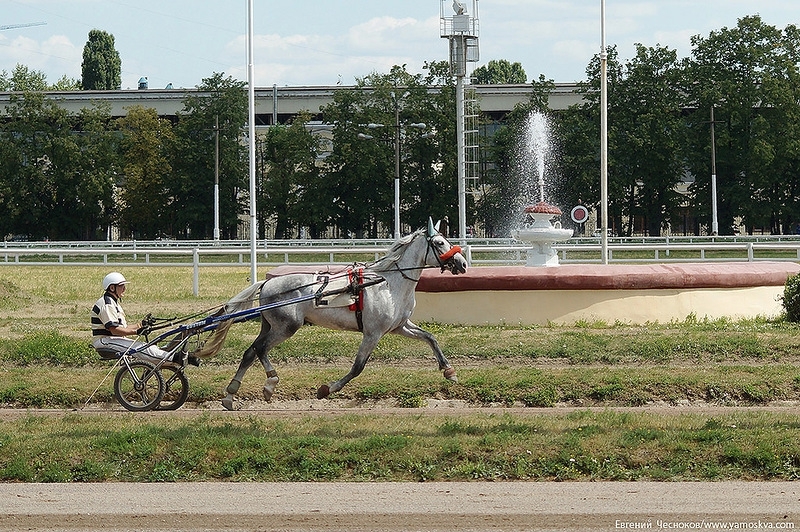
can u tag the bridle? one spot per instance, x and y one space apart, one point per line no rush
445 260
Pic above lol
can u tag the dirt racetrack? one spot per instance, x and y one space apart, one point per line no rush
478 506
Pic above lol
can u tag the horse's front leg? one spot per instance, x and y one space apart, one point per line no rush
368 344
411 330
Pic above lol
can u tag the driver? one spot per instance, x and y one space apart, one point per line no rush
110 328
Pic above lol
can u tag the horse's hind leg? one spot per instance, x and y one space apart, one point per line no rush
268 338
248 358
411 330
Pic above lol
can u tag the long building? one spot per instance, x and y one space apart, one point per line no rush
277 105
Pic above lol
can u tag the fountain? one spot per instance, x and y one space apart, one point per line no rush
538 226
629 293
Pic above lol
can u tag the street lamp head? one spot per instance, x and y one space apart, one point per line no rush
418 125
365 136
372 125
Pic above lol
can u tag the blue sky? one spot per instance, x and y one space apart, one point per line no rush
325 42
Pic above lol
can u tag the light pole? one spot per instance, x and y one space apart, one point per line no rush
398 130
251 131
714 221
603 135
216 178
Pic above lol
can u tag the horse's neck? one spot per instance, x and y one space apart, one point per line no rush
412 260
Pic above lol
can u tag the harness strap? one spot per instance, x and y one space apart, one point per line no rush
356 276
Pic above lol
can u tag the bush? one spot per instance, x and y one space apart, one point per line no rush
791 298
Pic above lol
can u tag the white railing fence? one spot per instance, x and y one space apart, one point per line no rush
478 252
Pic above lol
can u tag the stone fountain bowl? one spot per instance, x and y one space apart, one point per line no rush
539 228
541 234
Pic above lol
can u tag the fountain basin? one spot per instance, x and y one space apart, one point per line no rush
541 233
634 294
542 239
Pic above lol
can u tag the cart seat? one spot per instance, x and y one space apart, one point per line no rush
107 353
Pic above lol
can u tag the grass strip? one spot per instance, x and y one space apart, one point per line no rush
580 445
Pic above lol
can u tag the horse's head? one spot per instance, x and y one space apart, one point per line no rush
448 256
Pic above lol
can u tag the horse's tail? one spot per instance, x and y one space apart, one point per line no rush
244 299
241 301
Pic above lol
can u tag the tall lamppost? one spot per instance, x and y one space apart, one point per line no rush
216 178
714 221
603 135
399 129
251 141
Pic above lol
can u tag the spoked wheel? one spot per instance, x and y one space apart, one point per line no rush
138 386
176 388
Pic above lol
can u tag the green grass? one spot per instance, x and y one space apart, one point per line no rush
46 363
580 445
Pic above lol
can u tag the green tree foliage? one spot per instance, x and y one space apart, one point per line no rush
363 169
147 153
648 123
220 103
291 191
23 79
750 75
499 71
56 170
101 67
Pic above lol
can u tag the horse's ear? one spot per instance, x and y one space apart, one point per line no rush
432 230
438 223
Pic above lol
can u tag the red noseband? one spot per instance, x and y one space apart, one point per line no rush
447 255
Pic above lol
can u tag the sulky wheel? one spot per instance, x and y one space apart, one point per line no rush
138 386
176 388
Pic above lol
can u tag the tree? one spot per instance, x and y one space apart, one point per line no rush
221 102
101 68
364 169
24 79
750 75
291 191
147 152
499 71
650 131
57 169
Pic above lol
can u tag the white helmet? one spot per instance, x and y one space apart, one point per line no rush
113 278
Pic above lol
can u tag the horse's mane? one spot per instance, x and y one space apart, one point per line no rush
395 252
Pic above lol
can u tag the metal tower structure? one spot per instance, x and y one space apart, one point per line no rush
460 26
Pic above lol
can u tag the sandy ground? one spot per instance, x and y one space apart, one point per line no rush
437 506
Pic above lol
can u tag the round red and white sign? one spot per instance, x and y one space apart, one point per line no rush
579 214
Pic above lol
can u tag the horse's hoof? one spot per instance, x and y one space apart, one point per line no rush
450 374
269 387
323 391
227 402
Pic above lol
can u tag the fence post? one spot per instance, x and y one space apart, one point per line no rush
749 252
196 272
